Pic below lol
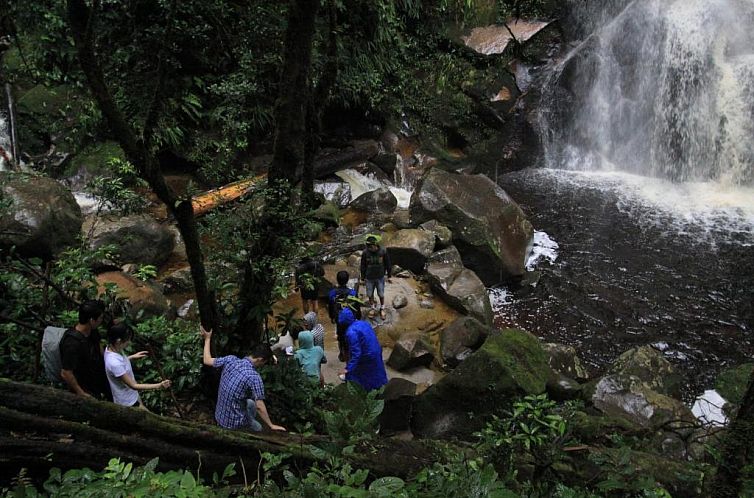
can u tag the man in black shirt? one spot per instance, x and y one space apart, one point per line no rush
83 367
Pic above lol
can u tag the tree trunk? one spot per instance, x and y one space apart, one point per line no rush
737 448
290 111
43 427
81 22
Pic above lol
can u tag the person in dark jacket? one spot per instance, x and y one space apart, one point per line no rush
365 366
375 266
340 298
308 274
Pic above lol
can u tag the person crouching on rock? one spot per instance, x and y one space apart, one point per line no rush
240 396
365 366
120 375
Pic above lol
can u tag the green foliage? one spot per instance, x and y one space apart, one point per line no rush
353 419
146 272
175 354
621 479
291 398
119 480
535 427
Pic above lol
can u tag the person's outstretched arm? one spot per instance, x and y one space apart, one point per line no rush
262 411
130 382
207 353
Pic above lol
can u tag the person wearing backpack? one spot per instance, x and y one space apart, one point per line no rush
82 362
375 265
340 298
308 275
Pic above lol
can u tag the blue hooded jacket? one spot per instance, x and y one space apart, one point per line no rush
365 366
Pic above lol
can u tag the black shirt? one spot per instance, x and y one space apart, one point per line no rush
82 356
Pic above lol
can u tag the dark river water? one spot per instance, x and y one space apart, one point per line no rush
639 262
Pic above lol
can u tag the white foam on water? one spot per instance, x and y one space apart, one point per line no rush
361 184
710 211
500 297
543 248
4 140
708 408
87 202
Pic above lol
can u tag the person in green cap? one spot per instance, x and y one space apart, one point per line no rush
375 266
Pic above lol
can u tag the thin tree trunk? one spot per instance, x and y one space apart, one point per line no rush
81 20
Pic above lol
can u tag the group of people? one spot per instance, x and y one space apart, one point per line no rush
91 371
88 370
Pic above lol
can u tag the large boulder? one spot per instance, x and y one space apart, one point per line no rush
410 248
399 396
649 365
629 397
43 218
564 360
411 351
510 364
489 229
138 239
460 339
443 235
380 201
145 300
461 289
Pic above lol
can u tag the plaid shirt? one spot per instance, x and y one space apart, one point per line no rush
239 381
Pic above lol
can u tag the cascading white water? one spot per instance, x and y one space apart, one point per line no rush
663 89
4 141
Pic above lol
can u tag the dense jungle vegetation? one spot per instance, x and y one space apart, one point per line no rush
204 87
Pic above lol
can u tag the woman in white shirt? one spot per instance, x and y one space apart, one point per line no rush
118 368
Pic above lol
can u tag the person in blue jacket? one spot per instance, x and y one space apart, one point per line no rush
365 366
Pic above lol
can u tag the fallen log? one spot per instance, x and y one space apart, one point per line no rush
42 427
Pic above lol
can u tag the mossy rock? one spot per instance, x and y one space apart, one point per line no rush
731 384
94 160
327 213
509 365
43 100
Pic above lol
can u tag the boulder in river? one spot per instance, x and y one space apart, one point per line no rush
380 201
489 229
145 299
43 218
410 351
461 338
461 289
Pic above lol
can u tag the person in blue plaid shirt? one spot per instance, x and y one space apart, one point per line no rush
240 396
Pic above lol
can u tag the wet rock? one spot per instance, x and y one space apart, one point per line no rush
494 39
449 255
443 235
145 299
138 239
461 289
94 161
510 364
564 360
43 219
461 338
628 396
354 260
402 218
330 161
388 155
399 396
426 304
410 248
328 213
178 281
380 201
400 301
489 229
563 388
651 367
410 351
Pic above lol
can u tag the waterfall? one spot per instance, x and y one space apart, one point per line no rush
658 88
4 142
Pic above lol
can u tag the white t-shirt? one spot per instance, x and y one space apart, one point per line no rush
117 365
